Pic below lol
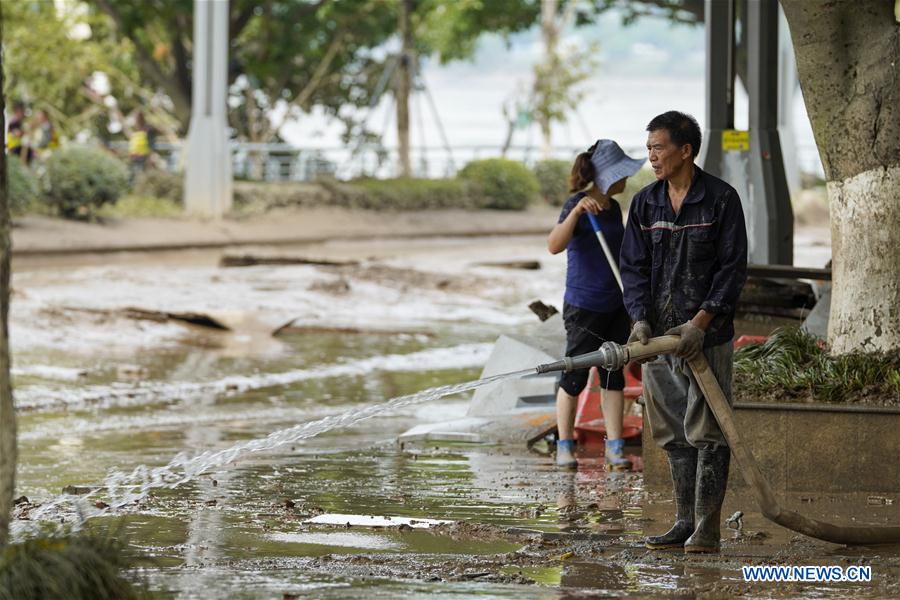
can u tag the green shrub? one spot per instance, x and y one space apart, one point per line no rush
155 183
398 194
23 187
500 183
80 180
133 206
257 197
83 566
411 194
553 177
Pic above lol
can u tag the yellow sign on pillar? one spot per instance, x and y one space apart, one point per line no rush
735 140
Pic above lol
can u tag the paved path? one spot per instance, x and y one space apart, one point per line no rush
34 236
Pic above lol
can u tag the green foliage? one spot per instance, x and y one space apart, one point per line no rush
407 194
303 54
452 29
135 206
80 180
254 197
156 183
402 194
23 187
504 184
791 363
557 82
553 177
84 566
51 51
411 194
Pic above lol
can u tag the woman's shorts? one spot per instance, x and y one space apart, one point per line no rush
586 330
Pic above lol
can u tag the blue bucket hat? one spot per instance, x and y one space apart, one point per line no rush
612 164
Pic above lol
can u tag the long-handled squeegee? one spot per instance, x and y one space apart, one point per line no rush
613 356
609 257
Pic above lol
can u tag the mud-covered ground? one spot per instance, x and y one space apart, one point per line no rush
110 377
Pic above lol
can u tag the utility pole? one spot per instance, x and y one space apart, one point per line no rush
404 86
207 186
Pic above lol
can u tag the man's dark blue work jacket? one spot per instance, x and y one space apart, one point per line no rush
673 265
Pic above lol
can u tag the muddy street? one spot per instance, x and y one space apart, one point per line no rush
114 370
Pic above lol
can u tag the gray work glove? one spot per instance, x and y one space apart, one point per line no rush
641 332
691 343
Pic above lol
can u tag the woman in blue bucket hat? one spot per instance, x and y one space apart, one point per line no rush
593 310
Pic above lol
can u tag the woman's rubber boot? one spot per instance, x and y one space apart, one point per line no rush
683 465
712 479
565 454
615 456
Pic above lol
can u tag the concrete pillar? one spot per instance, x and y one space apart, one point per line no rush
772 215
752 161
788 87
724 151
207 186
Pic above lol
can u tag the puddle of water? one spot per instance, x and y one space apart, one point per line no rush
356 541
373 521
320 542
122 489
153 392
541 575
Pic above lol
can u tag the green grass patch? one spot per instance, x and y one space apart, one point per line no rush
791 364
132 207
83 565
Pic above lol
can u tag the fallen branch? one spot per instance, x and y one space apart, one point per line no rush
249 260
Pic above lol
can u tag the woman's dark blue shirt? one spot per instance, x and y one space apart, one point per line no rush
590 283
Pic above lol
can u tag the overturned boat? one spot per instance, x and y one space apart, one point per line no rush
523 410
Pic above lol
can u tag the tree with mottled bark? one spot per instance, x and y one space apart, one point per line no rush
7 411
848 60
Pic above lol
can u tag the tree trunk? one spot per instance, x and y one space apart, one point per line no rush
550 35
847 59
507 142
404 85
7 410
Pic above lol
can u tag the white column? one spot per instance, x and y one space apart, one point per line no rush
788 85
207 186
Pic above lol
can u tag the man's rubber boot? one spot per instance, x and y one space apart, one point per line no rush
712 479
565 454
683 465
615 456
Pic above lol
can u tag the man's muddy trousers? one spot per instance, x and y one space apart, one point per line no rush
683 425
678 415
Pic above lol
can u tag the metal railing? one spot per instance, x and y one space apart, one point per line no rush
284 162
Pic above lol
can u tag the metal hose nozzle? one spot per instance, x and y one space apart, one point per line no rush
612 356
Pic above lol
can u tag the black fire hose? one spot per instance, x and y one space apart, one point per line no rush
614 356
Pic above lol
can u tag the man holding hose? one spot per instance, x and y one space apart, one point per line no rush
683 264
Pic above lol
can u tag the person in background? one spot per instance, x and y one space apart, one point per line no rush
592 310
15 134
139 144
44 134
